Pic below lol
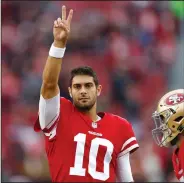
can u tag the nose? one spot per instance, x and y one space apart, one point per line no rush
83 90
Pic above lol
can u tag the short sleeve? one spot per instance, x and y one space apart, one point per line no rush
50 130
130 143
66 108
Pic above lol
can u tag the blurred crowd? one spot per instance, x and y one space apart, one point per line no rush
130 44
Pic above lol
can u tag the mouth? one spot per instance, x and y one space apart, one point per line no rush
84 99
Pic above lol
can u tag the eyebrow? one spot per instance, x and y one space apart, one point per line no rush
83 83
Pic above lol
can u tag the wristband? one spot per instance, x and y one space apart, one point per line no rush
56 52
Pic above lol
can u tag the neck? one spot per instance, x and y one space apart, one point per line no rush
92 114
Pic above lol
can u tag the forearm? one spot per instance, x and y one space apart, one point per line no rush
123 172
61 30
51 74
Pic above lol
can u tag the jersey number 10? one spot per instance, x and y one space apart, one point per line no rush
80 138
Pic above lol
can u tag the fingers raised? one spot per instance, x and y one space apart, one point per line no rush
69 19
63 12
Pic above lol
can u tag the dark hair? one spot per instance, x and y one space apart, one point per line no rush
85 70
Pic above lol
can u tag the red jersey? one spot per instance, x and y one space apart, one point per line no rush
178 162
83 151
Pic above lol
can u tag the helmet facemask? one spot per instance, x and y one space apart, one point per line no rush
162 131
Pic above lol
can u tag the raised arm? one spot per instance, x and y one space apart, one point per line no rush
61 30
49 104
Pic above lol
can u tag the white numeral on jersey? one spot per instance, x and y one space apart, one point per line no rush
78 170
80 138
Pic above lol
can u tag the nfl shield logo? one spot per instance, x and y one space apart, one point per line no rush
94 124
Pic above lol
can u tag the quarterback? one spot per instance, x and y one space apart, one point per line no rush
169 131
81 144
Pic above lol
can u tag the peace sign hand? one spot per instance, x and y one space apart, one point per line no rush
61 28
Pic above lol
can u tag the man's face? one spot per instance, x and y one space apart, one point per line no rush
84 92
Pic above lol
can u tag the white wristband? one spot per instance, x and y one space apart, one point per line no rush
56 52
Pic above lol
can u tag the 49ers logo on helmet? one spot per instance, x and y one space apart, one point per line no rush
175 99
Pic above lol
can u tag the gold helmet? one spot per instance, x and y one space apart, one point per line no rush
169 118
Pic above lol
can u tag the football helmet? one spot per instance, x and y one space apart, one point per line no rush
169 118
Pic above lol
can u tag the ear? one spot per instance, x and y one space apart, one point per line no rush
99 89
70 92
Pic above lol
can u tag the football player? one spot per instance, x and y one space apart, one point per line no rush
81 144
169 131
